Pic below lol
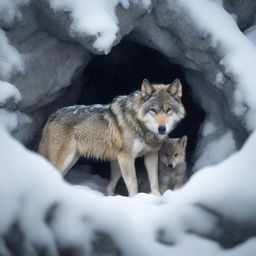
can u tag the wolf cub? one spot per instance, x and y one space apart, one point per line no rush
171 165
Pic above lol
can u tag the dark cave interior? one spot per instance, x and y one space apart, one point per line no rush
122 72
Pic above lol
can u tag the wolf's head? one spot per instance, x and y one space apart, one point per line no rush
173 152
162 108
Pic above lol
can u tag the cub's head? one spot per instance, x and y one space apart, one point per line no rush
162 108
173 152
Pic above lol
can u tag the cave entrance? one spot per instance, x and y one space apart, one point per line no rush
122 72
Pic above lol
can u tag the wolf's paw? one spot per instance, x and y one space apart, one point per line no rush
155 193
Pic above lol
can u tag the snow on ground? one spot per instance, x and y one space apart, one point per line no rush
134 224
96 18
239 54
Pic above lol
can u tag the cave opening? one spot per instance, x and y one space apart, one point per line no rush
121 72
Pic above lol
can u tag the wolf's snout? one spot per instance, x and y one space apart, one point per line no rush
170 166
161 129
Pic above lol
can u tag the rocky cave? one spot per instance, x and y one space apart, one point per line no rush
157 40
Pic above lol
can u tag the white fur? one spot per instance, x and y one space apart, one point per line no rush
171 122
152 125
69 161
140 148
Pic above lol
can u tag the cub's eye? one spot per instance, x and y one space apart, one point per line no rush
176 155
153 110
166 155
168 110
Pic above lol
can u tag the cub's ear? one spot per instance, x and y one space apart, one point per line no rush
175 88
172 140
146 88
183 141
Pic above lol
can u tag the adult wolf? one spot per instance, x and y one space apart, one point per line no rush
131 126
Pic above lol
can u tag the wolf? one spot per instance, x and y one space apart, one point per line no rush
172 163
131 126
171 166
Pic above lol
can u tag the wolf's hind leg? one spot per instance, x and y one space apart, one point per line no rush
67 157
151 163
126 163
114 177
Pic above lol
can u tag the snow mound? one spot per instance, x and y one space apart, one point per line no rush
177 223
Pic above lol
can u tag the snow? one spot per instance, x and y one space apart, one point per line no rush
8 91
172 224
9 10
132 223
216 150
8 120
209 127
239 54
251 34
95 18
10 59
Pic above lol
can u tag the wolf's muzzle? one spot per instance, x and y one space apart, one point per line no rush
161 129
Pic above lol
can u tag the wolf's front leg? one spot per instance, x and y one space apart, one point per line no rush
127 167
151 163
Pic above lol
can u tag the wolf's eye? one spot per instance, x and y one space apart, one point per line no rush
176 155
153 110
168 110
166 155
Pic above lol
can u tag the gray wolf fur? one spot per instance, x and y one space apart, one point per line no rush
131 126
171 165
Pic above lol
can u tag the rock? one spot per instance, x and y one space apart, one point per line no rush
243 11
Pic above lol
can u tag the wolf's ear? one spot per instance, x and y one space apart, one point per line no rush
146 88
183 141
175 88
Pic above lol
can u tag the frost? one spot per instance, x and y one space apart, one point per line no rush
8 91
239 54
